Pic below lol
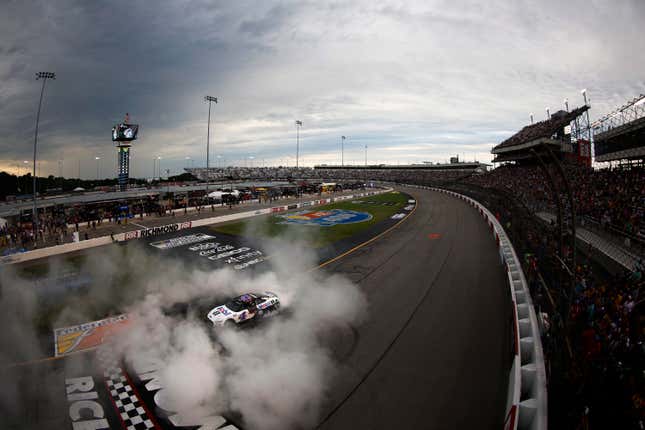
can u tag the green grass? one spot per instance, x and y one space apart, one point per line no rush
269 225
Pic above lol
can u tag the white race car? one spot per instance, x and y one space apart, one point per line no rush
244 308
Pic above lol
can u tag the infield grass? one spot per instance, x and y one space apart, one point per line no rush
380 206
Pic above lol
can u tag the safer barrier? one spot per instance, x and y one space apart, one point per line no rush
168 228
526 406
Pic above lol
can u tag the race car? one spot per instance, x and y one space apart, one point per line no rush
244 308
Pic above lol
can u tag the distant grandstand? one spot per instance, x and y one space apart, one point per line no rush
426 173
620 135
562 133
432 173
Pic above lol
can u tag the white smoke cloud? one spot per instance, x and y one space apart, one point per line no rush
276 374
273 375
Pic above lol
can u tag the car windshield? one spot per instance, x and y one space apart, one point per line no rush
235 305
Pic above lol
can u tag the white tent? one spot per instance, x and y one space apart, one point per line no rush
79 189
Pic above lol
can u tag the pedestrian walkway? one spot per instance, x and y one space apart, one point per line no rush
619 254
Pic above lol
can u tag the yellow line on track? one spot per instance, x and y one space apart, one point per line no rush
357 247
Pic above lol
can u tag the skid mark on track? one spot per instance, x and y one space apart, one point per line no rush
398 335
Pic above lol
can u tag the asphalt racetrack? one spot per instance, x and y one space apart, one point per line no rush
433 353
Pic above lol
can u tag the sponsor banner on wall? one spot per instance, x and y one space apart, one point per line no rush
156 231
86 336
279 209
175 242
293 206
326 218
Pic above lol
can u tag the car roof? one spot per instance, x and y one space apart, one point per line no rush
245 297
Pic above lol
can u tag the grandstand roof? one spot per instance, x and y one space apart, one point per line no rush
540 130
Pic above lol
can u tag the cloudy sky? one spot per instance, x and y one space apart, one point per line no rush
414 81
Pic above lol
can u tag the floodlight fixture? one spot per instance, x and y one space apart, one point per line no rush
45 75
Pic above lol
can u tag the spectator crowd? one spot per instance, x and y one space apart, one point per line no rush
614 198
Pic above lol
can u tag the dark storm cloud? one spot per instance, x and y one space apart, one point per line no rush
422 79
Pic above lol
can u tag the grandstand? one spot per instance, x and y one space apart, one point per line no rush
559 133
620 135
427 172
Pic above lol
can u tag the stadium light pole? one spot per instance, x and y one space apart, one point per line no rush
342 151
566 104
584 95
548 113
159 167
44 76
365 155
208 99
98 162
298 125
531 117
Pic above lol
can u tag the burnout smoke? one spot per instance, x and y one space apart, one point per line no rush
274 375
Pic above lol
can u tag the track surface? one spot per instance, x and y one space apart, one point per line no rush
433 352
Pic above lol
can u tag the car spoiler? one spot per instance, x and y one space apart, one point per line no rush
270 293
